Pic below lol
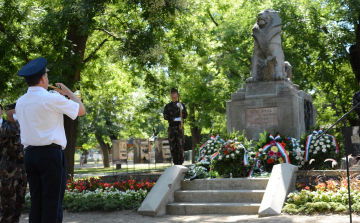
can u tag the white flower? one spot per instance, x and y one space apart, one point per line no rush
323 150
312 141
232 155
317 141
227 156
323 146
327 141
302 146
315 152
315 144
260 150
311 146
302 152
328 146
310 151
302 162
321 139
297 158
321 143
317 148
220 157
237 152
301 158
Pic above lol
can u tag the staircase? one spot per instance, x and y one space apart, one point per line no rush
218 196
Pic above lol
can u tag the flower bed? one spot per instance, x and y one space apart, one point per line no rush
329 196
93 184
94 195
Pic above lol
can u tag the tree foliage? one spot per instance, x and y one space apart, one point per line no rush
124 57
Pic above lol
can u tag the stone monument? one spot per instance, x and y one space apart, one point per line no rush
269 100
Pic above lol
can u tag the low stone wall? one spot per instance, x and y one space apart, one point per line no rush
313 177
152 177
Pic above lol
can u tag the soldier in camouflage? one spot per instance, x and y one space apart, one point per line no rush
12 169
176 135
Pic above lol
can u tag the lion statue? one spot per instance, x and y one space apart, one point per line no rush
267 62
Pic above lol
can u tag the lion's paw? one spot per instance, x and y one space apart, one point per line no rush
251 80
278 77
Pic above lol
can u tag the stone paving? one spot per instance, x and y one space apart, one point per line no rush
130 216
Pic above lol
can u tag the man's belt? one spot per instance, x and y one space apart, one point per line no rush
51 145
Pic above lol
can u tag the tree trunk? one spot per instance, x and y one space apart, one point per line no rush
73 75
195 132
71 127
104 149
195 136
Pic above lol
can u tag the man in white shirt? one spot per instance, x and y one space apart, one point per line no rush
40 115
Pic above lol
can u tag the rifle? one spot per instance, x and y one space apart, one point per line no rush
182 120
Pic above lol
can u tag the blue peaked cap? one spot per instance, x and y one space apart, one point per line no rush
34 69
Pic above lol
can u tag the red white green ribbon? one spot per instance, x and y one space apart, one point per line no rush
214 155
283 152
335 143
307 146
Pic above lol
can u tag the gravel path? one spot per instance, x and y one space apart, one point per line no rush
130 216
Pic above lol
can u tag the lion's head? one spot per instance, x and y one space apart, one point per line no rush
267 18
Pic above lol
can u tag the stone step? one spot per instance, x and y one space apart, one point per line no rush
228 184
212 208
216 196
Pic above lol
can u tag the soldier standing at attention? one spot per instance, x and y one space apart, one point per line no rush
41 118
12 168
176 135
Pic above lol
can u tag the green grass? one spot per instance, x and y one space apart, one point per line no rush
130 168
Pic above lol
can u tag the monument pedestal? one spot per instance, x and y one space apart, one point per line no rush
272 106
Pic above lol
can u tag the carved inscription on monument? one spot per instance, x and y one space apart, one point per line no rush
257 117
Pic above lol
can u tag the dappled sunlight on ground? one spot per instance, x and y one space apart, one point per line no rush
130 216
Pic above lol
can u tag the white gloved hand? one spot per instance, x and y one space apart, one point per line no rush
177 119
179 107
15 117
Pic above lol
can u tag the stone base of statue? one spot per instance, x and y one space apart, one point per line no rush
274 106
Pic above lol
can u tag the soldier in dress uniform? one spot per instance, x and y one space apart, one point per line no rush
12 168
176 135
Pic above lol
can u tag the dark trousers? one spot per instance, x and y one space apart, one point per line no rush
46 172
176 138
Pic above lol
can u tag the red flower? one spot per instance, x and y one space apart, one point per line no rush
278 154
283 144
270 161
307 188
273 143
271 153
226 152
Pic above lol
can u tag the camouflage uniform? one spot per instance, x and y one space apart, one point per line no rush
12 172
176 136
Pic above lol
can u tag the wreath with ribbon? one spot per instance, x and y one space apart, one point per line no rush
273 150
